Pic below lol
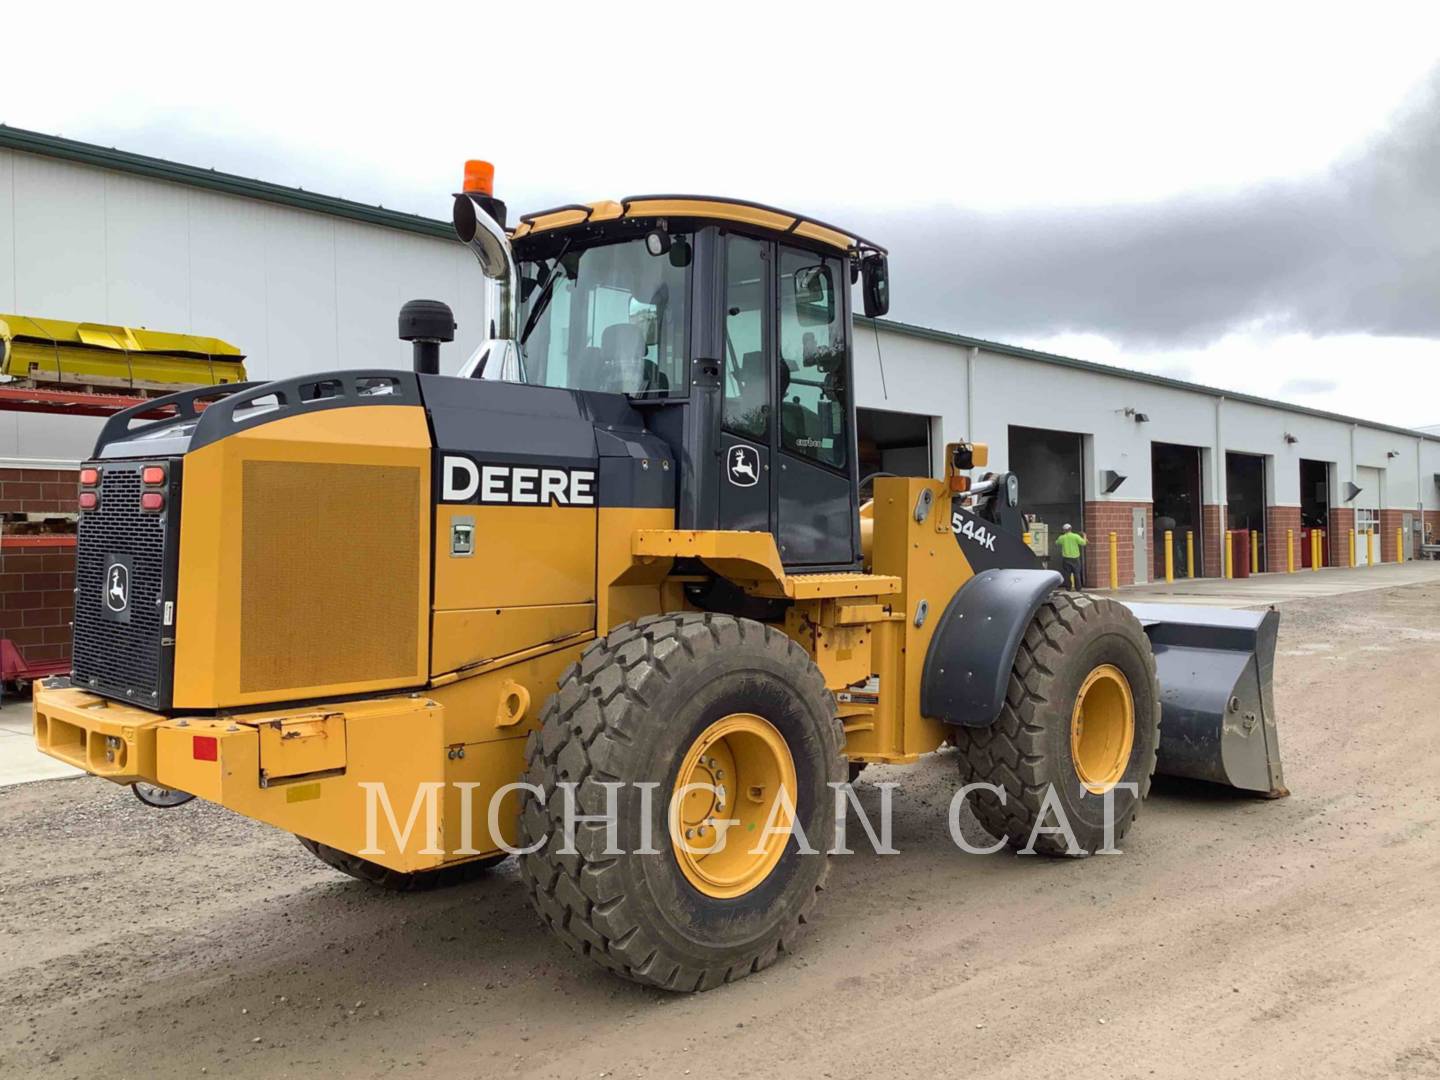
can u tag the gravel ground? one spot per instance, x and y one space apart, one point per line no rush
1235 937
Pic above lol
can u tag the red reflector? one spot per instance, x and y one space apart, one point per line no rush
153 474
152 500
89 477
207 748
89 500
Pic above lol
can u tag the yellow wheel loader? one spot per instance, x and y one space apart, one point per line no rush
610 599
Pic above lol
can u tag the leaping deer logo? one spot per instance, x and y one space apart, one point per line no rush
744 466
118 587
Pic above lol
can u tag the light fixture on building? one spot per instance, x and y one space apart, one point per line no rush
1136 415
1392 453
1351 490
1110 481
1290 440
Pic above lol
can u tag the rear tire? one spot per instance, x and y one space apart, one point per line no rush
382 876
636 709
1073 640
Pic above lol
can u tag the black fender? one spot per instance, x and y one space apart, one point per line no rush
967 668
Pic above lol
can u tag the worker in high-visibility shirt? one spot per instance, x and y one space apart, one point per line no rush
1070 542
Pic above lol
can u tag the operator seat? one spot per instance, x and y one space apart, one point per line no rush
754 387
627 368
798 423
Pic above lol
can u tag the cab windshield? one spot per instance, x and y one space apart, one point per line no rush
608 317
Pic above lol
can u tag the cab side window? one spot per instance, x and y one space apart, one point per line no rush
747 382
813 394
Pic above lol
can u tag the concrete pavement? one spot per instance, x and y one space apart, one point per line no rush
1262 590
20 762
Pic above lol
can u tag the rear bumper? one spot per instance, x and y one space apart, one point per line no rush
103 737
327 773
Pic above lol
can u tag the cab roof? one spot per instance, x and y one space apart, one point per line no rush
703 207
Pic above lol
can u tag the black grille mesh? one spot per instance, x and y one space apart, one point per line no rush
120 659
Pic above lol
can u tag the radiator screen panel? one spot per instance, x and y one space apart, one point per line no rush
329 583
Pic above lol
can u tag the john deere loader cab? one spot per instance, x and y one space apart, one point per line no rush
729 328
609 601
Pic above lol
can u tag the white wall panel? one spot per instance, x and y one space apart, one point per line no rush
228 291
147 256
7 232
40 437
59 241
301 318
923 377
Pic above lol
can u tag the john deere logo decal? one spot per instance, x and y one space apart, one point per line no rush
744 466
116 589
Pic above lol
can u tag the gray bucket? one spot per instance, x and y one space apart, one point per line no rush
1216 668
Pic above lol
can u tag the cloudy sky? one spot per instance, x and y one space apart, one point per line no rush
1242 195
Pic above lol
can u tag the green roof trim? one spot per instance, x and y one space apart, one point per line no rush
54 146
33 142
946 337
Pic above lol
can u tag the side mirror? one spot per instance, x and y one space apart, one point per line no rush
875 283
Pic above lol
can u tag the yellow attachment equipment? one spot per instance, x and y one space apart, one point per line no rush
56 353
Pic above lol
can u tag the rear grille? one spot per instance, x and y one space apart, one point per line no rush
124 579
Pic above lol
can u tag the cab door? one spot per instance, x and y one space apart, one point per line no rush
746 427
787 449
816 509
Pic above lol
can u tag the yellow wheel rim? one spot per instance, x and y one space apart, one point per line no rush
1102 728
725 795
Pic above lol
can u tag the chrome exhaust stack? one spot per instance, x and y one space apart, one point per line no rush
479 220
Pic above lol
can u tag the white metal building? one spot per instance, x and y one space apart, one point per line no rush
303 282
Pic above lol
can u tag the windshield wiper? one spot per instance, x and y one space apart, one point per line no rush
546 291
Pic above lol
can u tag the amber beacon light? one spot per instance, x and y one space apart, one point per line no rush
479 178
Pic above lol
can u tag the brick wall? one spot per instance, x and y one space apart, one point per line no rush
37 491
1210 526
37 598
1391 522
1342 520
1103 518
1282 526
37 569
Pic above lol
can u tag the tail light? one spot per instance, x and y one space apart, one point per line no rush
89 500
152 501
153 475
89 477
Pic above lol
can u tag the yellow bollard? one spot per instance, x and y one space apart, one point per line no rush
1314 549
1370 544
1169 557
1229 554
1352 549
1190 553
1254 552
1289 551
1114 561
1399 545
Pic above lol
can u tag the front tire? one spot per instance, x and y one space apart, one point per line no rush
661 702
1081 713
